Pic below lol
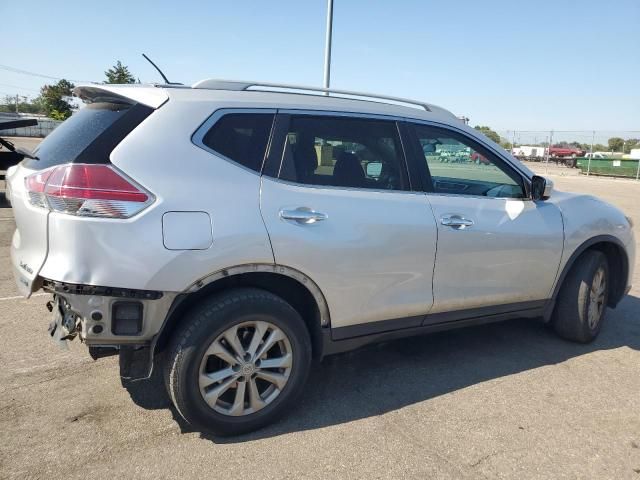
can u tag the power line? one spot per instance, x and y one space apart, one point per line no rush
18 87
12 96
41 75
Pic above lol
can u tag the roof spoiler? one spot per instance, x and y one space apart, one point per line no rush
144 94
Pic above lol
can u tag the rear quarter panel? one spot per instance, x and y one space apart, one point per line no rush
130 253
29 242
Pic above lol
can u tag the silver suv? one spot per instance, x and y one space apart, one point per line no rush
229 233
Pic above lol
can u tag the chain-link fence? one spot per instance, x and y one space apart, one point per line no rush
592 152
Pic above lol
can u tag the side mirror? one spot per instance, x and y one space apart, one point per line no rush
374 169
541 188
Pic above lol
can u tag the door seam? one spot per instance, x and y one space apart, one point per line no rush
435 258
264 223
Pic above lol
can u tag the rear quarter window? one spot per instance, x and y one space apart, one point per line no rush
241 137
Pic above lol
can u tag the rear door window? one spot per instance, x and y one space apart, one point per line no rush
344 152
241 137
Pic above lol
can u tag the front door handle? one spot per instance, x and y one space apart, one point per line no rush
457 222
303 215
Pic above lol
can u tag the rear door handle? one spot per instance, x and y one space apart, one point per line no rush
303 215
457 222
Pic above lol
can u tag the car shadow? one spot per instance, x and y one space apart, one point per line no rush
389 376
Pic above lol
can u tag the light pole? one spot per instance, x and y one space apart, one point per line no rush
593 139
549 150
327 46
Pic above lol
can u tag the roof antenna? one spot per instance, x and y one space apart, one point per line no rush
166 80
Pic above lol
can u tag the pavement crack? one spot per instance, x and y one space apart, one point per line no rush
484 458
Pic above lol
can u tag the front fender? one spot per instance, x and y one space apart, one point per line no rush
588 221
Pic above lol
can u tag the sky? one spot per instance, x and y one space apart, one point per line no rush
512 65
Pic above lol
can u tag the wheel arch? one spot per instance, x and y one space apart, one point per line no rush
300 291
618 260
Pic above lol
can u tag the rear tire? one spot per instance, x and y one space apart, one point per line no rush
216 372
582 301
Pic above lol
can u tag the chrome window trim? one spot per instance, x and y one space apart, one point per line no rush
342 189
479 197
198 135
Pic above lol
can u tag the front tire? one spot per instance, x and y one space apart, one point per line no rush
583 298
239 362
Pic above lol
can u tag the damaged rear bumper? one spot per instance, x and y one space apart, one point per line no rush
112 316
109 320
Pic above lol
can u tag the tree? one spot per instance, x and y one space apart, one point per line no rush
52 98
630 144
598 147
8 105
488 132
119 73
615 144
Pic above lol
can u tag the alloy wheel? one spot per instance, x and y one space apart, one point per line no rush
597 298
245 368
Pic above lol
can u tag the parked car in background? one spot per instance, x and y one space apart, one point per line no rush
597 155
567 155
229 234
562 152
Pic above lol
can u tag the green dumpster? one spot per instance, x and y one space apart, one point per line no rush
615 167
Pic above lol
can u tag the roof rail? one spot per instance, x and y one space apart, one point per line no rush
213 84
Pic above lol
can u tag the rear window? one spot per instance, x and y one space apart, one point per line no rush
89 135
241 137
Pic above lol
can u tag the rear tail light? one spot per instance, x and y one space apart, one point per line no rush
35 184
87 191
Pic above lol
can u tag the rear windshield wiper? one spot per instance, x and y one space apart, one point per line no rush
25 153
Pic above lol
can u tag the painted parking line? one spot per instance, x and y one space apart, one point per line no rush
18 297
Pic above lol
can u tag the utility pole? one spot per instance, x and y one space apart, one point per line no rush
17 103
549 150
327 46
593 137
